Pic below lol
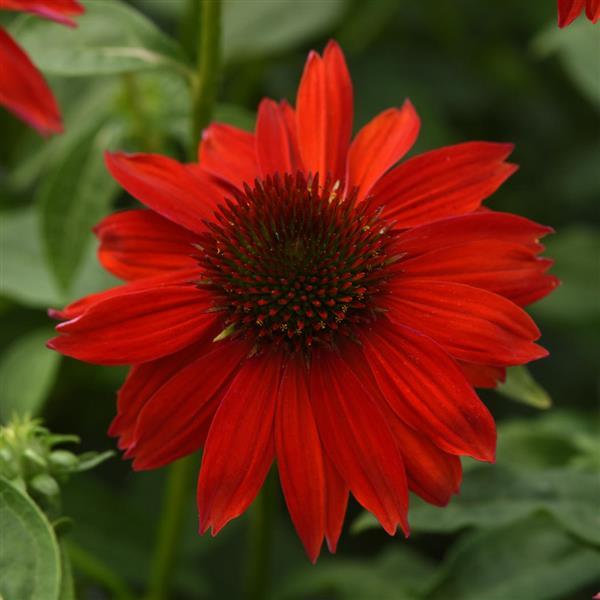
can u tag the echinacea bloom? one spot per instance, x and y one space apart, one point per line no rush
296 298
23 89
569 10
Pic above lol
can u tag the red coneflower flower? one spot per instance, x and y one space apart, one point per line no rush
23 89
569 10
293 297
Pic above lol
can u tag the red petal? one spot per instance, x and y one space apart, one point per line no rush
471 228
470 323
144 380
300 458
592 10
357 439
229 153
56 10
239 449
432 474
180 194
289 116
324 112
78 307
426 389
536 288
175 421
379 145
511 270
443 183
141 243
483 376
24 91
568 11
275 145
336 502
136 327
486 249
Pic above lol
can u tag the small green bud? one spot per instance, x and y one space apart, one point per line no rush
63 460
45 485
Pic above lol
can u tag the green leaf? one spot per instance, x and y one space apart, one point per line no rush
77 193
575 251
495 495
67 585
529 559
578 47
111 37
25 277
555 439
29 554
522 387
84 104
27 372
256 28
399 573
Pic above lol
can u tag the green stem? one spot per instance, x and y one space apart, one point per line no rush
259 543
95 569
204 91
177 494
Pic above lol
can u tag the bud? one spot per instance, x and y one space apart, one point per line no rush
29 460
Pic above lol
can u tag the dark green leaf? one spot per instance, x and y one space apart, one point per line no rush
29 554
530 559
84 105
255 28
555 439
495 495
111 37
77 193
399 573
522 387
25 274
25 277
27 372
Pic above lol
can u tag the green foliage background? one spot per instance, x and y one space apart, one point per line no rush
525 529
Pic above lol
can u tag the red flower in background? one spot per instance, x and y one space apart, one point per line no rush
294 297
569 10
23 89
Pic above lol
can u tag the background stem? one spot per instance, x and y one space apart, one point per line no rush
209 56
260 542
177 494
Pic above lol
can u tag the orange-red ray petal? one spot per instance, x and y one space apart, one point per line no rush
300 457
239 449
379 145
324 113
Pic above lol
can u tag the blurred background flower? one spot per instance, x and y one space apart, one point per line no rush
23 89
526 528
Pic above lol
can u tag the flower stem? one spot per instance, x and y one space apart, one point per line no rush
95 569
204 90
259 543
177 494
